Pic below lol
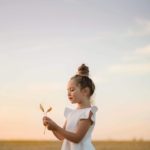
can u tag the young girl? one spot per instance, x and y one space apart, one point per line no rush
77 130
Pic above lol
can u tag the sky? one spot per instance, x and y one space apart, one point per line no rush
42 43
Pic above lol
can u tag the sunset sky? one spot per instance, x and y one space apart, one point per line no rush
42 43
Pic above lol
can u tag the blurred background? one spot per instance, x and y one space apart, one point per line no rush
42 43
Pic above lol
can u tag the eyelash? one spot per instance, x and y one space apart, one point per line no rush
71 90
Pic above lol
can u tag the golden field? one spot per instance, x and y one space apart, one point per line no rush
52 145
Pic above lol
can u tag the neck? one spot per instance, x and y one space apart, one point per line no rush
84 104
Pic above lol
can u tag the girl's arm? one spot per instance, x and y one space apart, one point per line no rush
76 137
57 135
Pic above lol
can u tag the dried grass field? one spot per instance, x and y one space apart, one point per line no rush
49 145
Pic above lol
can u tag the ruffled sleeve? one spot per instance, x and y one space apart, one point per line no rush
86 112
67 111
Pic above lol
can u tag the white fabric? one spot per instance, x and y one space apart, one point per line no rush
73 117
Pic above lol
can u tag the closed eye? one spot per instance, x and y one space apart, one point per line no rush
71 89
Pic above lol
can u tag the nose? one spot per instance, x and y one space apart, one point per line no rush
68 93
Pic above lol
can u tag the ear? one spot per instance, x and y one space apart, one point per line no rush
86 91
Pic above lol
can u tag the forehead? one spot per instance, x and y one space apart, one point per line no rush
72 83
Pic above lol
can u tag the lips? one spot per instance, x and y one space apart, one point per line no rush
70 98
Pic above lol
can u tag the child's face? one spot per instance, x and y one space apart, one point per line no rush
75 94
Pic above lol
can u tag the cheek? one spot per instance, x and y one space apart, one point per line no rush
74 94
77 95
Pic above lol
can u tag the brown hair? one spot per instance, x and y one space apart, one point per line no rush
82 78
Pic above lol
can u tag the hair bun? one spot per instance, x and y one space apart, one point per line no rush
83 70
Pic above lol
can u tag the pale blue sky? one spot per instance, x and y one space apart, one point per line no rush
42 43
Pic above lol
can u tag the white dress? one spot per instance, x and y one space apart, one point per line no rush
73 117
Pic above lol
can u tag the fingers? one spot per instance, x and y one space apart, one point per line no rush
45 118
50 124
45 121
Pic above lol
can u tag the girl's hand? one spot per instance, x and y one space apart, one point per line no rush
49 123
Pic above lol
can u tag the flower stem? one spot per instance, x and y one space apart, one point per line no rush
45 126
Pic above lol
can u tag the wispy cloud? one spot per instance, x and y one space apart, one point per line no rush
130 68
135 63
142 28
138 55
143 51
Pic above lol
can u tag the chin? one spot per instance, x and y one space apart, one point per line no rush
71 101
